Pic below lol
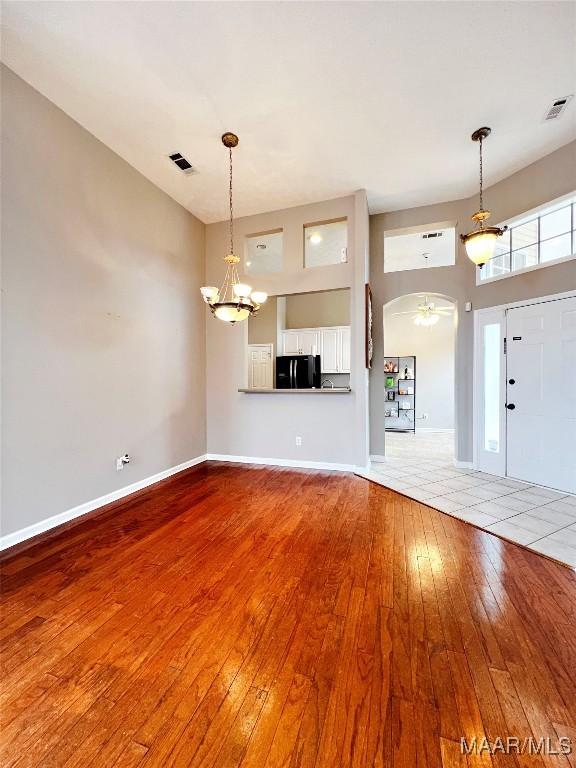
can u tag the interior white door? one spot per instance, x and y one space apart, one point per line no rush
345 350
490 391
329 350
260 366
541 393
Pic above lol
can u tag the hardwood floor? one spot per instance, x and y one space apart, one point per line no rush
245 616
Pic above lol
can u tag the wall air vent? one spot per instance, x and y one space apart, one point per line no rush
428 235
557 108
182 163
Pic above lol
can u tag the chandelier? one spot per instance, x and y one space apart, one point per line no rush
233 301
481 243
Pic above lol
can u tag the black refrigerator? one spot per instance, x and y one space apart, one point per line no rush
298 372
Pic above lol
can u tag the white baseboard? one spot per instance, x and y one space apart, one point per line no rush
377 457
298 463
432 430
70 514
463 464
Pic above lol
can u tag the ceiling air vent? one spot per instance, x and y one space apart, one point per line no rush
182 163
558 108
428 235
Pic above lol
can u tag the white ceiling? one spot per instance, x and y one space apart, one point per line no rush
327 97
413 251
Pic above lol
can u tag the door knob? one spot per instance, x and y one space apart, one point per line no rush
511 381
510 406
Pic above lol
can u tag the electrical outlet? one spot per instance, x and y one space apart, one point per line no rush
298 441
121 462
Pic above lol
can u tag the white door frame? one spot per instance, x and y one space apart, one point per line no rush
270 348
477 363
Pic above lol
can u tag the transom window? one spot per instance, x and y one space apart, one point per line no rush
537 239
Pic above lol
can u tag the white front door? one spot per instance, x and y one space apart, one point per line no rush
541 394
260 366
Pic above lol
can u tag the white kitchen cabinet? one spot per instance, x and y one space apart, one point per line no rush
332 344
329 349
305 341
290 343
345 350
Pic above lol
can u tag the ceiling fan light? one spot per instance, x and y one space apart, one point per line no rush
426 320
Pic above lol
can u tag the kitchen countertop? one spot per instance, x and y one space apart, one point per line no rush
325 391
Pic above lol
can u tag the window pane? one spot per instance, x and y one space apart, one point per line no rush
503 244
555 248
499 265
492 387
325 243
526 234
556 223
527 257
263 253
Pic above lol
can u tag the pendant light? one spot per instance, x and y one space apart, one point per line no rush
481 243
233 301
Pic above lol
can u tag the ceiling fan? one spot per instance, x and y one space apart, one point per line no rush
427 313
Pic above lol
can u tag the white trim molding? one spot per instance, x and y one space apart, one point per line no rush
296 463
11 539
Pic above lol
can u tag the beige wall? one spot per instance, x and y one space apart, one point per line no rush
548 178
103 329
265 426
262 329
320 309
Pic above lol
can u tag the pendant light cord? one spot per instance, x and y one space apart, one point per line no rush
481 177
231 208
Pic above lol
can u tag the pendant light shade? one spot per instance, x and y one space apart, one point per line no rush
231 312
481 243
234 301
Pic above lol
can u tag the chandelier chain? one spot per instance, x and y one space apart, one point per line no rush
231 207
481 177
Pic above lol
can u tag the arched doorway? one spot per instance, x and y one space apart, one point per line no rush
419 387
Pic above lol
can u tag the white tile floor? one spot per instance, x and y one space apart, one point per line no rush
539 518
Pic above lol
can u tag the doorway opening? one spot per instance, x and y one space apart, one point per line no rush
418 398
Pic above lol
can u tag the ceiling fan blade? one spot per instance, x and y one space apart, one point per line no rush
444 309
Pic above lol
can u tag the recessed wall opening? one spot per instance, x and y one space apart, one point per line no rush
418 397
263 252
326 243
420 247
301 341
